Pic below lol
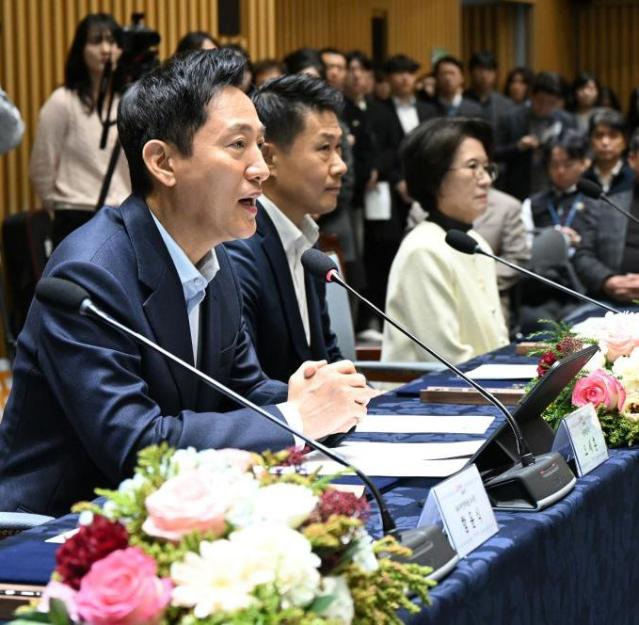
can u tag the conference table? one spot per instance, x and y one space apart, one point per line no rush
577 562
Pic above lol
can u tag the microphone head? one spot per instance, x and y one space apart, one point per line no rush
319 264
61 294
590 188
461 241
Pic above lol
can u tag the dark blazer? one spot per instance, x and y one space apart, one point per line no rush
493 108
603 237
515 178
466 108
270 307
86 398
623 181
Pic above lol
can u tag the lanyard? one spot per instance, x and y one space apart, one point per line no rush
571 213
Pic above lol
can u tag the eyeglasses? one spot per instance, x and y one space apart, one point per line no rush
479 168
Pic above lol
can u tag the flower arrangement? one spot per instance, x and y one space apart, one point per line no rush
227 537
609 381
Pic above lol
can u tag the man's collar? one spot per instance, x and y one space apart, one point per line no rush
288 231
399 102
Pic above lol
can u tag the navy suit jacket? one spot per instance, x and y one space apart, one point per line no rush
86 398
271 311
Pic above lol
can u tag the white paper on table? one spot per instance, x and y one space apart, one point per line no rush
372 467
60 538
398 459
503 372
377 203
424 424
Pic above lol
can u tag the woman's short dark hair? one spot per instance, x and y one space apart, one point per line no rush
428 152
170 104
524 73
194 40
282 104
76 72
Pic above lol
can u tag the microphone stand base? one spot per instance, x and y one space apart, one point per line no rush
533 487
430 547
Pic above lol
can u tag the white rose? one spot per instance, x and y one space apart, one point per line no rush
286 555
290 504
341 607
626 368
598 361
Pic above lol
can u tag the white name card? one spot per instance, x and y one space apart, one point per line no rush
462 505
582 431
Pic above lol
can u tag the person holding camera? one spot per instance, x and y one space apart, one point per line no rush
67 166
524 132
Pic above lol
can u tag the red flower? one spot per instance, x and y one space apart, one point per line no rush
92 543
341 503
569 345
547 360
295 457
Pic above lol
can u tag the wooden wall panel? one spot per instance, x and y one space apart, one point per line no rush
553 36
607 43
34 38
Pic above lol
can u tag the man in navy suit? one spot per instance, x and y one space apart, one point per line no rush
285 306
85 397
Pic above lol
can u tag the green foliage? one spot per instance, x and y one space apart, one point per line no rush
618 430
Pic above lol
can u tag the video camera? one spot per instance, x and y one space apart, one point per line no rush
139 50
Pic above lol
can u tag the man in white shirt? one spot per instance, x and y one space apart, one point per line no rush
284 306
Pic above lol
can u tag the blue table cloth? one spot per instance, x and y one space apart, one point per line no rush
574 563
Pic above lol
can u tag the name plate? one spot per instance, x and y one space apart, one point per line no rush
460 503
582 431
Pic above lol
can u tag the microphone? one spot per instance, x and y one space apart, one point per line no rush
430 547
464 243
595 191
530 474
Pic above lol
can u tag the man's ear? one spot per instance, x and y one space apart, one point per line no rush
157 156
270 154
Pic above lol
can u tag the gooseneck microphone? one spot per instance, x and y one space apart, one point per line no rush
595 191
464 243
428 547
321 266
541 480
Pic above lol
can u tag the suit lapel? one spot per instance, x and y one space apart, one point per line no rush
272 246
164 308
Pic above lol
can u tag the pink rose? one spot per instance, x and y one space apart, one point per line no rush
66 594
599 389
123 589
186 503
619 345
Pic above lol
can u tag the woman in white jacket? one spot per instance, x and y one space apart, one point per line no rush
449 299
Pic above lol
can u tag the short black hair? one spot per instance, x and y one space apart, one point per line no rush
448 58
361 58
607 117
550 83
428 152
170 104
525 73
76 72
283 102
303 58
574 143
266 65
400 63
633 146
194 40
484 59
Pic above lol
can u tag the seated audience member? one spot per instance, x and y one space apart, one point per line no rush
87 398
585 97
518 85
524 132
196 40
67 166
608 147
266 69
447 298
483 79
449 90
284 306
11 124
562 207
502 226
607 261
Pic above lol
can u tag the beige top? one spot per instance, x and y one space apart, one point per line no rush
447 299
67 165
